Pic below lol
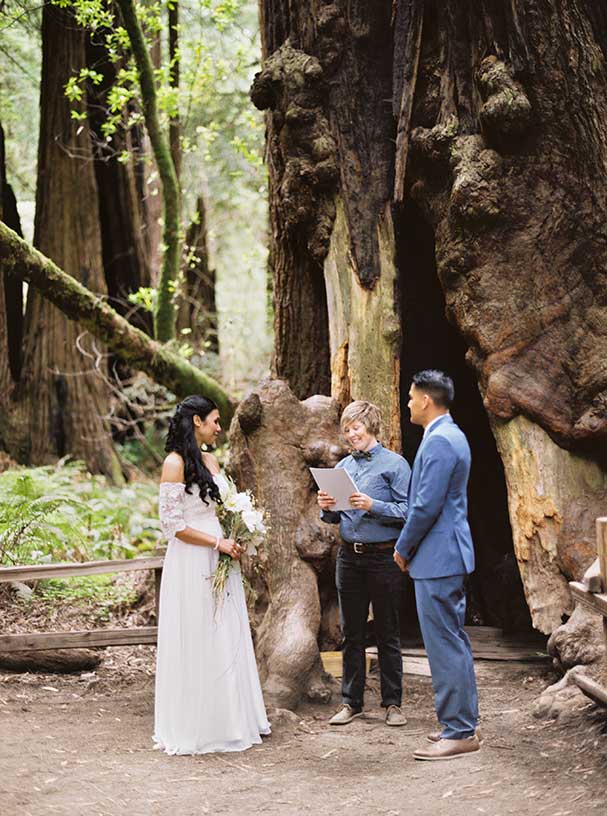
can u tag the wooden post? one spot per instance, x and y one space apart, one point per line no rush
601 548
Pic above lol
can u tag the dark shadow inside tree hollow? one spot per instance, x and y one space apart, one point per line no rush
495 596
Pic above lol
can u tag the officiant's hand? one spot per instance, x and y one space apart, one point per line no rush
402 564
325 502
231 548
360 501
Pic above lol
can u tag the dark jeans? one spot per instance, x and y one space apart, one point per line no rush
363 579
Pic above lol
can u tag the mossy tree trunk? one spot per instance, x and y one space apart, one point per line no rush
130 344
438 176
165 313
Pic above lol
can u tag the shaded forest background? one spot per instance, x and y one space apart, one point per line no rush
222 137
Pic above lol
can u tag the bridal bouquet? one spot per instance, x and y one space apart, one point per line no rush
241 520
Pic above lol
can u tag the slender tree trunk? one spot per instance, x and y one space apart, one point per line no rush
198 309
60 398
12 291
11 309
127 227
175 59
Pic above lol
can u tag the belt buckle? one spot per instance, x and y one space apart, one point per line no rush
358 547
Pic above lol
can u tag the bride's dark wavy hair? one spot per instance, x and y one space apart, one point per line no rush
181 439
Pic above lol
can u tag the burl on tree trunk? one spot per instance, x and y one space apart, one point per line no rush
274 439
442 169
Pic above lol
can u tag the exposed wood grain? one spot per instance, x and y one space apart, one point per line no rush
591 689
601 547
34 573
593 580
597 603
75 640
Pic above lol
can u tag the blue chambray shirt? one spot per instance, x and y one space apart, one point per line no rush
385 478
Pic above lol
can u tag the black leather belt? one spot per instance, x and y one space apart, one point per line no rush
361 548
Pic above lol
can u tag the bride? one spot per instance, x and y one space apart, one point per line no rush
208 696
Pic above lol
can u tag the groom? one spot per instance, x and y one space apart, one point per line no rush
436 548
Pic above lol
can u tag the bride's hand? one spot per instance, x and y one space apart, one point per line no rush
230 547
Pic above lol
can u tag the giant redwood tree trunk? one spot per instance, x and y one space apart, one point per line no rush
438 174
57 404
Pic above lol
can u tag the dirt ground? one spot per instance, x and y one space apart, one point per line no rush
72 745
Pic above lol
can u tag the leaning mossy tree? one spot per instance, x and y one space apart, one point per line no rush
438 174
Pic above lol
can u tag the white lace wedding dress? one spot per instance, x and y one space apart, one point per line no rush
208 696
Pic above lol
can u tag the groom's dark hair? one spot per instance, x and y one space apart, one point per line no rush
437 385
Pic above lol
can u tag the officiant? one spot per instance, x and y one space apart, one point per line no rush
366 572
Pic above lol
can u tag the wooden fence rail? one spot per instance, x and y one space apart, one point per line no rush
88 639
596 601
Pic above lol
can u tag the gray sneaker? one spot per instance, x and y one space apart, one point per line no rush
344 715
394 716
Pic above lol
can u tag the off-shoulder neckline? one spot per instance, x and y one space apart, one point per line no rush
182 484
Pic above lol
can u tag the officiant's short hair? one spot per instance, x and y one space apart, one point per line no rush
362 411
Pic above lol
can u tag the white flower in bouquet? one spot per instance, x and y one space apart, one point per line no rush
253 520
242 521
239 503
226 487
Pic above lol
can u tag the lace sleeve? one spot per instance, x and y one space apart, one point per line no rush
170 506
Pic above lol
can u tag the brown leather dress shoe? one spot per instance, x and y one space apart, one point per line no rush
435 736
448 749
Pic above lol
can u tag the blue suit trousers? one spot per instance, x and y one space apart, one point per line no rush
441 608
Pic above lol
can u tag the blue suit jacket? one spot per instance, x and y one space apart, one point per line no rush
436 538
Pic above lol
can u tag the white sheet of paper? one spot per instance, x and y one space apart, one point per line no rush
337 483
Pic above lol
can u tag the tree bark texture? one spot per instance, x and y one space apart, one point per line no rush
11 291
92 312
504 154
443 168
326 83
197 305
274 439
57 404
128 209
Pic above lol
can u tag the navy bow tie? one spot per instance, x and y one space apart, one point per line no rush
361 454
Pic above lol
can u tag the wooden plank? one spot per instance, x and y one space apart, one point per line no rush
417 666
601 547
597 603
38 571
35 641
525 653
332 663
593 580
591 689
